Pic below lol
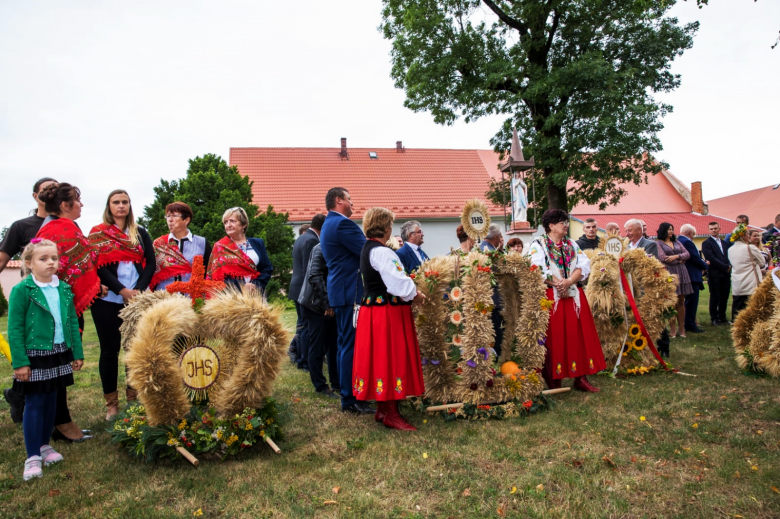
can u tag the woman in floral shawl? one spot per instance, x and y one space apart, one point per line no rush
237 260
77 268
573 347
125 265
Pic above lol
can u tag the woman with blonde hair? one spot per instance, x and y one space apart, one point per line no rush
387 365
126 264
746 264
237 260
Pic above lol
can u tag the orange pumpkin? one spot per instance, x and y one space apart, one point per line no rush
509 368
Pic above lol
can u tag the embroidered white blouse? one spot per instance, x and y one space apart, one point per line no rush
536 253
387 263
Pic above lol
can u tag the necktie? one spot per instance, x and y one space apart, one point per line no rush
423 255
720 245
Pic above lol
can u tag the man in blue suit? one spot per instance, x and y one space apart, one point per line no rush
696 267
411 254
341 241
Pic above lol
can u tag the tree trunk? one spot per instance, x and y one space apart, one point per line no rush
556 196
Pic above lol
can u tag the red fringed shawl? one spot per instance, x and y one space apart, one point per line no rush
170 261
77 260
114 246
227 259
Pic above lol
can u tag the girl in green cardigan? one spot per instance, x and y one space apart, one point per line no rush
45 349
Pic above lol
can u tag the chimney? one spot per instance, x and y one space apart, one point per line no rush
697 199
343 152
399 147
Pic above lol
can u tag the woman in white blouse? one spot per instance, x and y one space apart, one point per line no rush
573 347
746 264
387 365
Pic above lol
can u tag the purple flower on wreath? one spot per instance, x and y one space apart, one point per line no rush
435 362
471 364
542 342
424 361
483 352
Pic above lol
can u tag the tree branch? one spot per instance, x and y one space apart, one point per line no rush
515 24
551 36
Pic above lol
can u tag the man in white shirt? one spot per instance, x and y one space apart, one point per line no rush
715 253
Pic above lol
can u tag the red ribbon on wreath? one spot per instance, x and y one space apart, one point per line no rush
635 311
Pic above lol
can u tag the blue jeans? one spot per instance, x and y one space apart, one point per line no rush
346 350
38 422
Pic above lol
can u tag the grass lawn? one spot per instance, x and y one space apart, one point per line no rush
709 447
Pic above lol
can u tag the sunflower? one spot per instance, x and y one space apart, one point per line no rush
628 347
634 331
639 343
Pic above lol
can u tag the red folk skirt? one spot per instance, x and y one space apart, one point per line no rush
573 346
386 364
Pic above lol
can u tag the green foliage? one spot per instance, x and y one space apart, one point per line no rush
201 431
576 77
210 188
3 303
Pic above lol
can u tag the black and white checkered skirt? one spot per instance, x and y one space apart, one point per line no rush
50 370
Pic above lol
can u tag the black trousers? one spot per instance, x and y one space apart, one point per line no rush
691 306
301 339
107 323
738 303
62 415
322 337
719 297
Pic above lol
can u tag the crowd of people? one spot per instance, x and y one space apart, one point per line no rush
102 270
351 288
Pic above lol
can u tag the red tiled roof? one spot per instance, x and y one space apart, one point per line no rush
761 205
663 193
415 183
654 220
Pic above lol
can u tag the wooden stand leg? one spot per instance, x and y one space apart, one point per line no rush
556 391
271 443
444 407
184 452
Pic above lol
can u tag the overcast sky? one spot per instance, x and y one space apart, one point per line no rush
111 95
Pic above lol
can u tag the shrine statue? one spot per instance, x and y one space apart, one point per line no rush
519 199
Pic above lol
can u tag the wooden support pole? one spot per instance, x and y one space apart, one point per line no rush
434 408
271 443
556 391
184 452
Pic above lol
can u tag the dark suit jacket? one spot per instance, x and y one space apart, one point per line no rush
408 258
767 235
694 264
650 246
341 241
108 274
719 261
263 266
301 253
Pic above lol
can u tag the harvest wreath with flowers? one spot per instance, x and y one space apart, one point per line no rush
219 361
756 330
655 294
456 333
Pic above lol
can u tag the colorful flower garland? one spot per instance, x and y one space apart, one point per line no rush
199 432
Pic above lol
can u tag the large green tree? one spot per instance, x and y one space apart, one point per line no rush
576 77
210 188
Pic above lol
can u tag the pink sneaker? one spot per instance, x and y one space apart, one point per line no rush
49 455
32 468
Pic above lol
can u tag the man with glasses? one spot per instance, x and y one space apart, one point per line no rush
176 251
411 254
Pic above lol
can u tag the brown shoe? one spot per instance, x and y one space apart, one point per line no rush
132 394
112 404
71 432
